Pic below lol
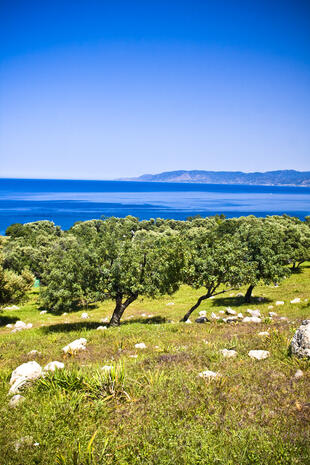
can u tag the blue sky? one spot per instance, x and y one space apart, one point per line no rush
100 90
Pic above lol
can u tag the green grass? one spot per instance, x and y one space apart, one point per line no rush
154 409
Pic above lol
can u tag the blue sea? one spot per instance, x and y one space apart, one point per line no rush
68 201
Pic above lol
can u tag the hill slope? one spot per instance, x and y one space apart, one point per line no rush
281 177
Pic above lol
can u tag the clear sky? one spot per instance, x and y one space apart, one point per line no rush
106 89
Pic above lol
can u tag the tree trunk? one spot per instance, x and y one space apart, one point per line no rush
248 294
119 309
190 311
209 294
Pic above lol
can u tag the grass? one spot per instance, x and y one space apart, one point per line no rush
155 409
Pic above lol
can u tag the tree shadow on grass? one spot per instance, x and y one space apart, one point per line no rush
73 310
68 327
154 320
238 301
5 320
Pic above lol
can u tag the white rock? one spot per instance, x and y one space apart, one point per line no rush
52 366
9 326
259 354
29 371
141 345
251 319
208 374
222 312
143 314
240 315
230 311
188 322
107 368
20 324
203 313
231 294
101 328
84 316
169 304
300 344
230 319
104 320
279 302
13 307
228 353
133 356
295 301
214 317
253 312
75 346
43 312
65 314
298 374
34 352
271 314
239 294
150 316
263 333
29 325
15 400
212 297
270 307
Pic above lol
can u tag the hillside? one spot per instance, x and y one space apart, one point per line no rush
280 177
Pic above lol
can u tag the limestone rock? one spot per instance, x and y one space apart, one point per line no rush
34 352
141 345
299 374
208 374
259 354
279 302
169 304
75 346
295 301
229 353
15 400
251 319
84 316
202 313
52 366
101 328
188 322
300 344
201 319
253 312
230 311
43 312
29 370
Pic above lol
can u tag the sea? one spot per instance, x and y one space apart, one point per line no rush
66 201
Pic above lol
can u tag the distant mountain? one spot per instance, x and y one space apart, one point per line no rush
273 178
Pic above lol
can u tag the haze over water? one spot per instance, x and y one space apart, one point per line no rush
68 201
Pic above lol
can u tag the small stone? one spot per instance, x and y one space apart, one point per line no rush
222 312
9 326
279 302
254 312
188 322
53 366
202 313
84 316
208 374
229 353
107 368
230 319
251 319
230 311
64 314
295 301
75 346
263 333
298 374
13 307
43 312
169 304
214 316
133 356
271 314
29 370
239 294
105 320
141 345
101 328
201 319
15 400
259 354
34 352
231 294
270 307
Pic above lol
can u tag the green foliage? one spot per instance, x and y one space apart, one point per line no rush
13 286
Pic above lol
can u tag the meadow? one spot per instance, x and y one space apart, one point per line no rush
153 408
